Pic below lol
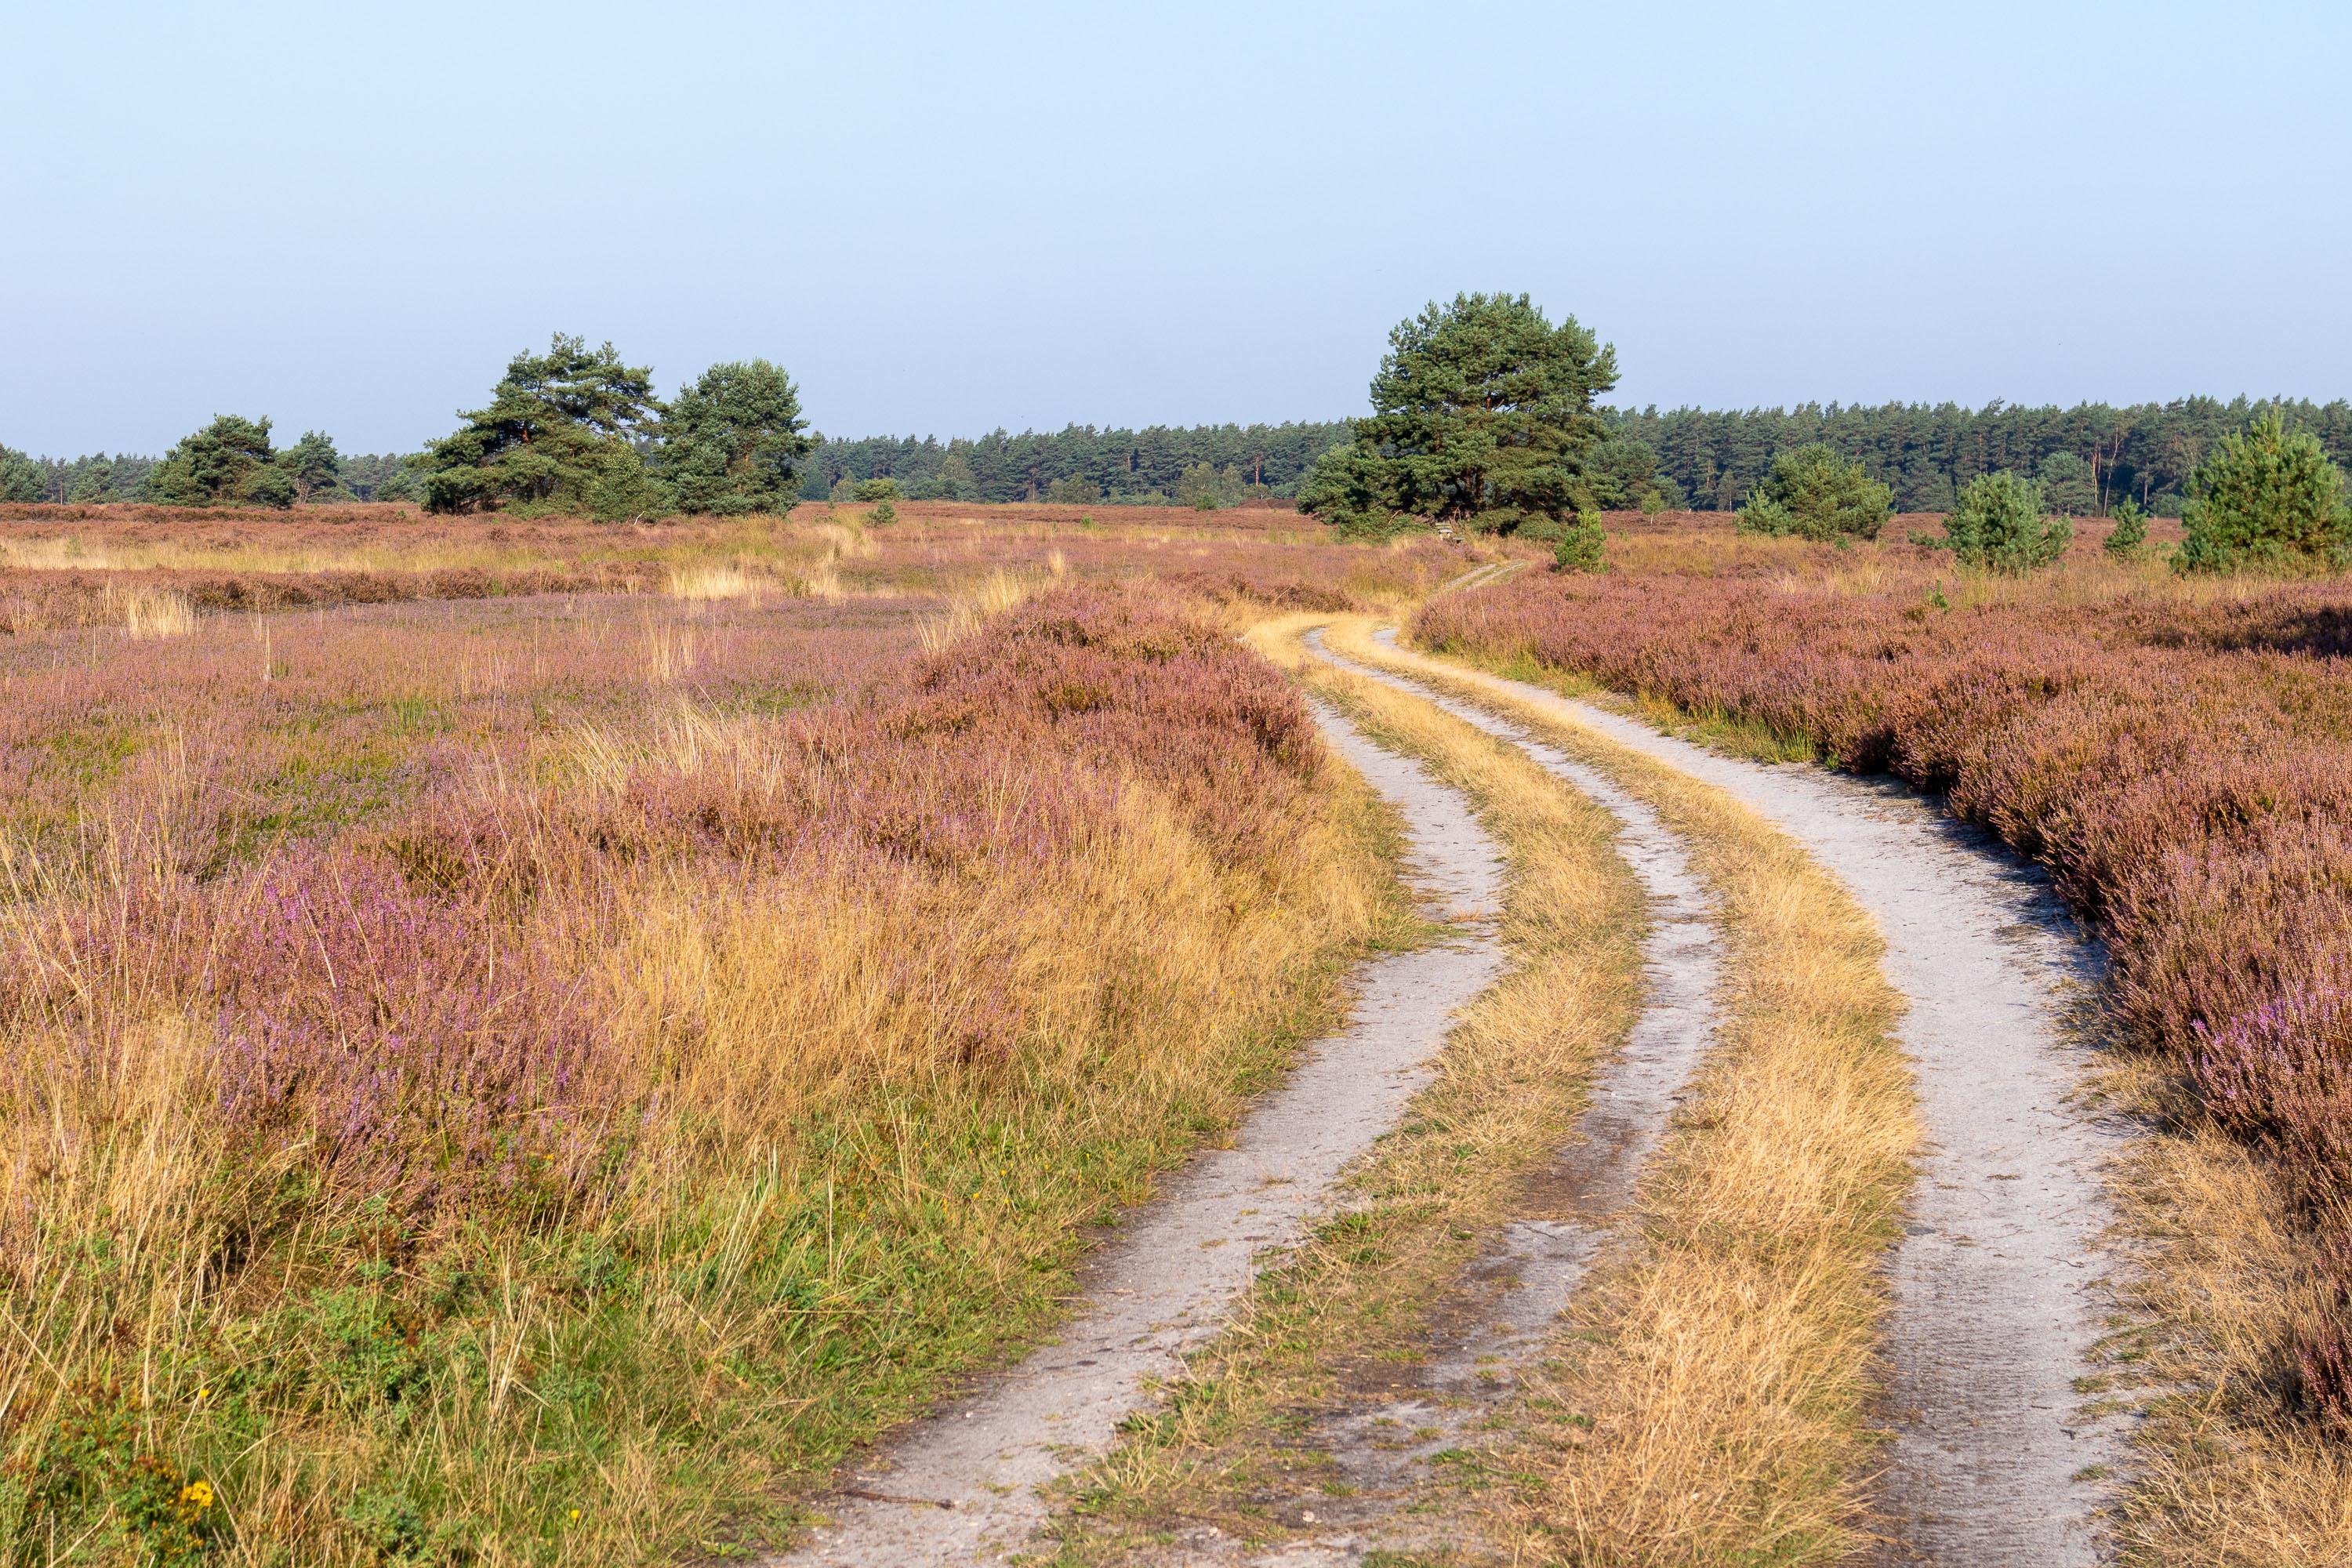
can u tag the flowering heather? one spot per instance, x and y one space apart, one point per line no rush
2178 758
647 1035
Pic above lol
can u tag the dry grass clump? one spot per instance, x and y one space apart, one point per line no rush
1710 1405
710 580
472 1095
157 614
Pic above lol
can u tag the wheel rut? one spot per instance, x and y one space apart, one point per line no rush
1999 1281
964 1485
1388 1434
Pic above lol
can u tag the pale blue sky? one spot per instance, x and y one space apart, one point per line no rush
944 219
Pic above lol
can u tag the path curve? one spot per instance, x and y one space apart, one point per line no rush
1998 1280
1511 1297
963 1485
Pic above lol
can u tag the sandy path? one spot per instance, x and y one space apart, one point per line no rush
1498 1316
1165 1286
1998 1279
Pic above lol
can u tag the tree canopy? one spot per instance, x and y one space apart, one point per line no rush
1123 467
227 462
1482 414
21 479
1925 452
313 467
733 441
557 426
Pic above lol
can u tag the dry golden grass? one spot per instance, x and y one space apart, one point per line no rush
1513 1077
157 613
710 580
1711 1405
2219 1480
971 606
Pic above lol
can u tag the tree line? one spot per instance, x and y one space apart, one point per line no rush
229 462
1156 466
2086 457
576 429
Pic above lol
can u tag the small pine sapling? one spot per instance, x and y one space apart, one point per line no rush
1582 546
2001 525
2128 537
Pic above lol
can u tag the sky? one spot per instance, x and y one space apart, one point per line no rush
948 218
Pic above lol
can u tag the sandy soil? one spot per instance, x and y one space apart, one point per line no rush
963 1484
1496 1319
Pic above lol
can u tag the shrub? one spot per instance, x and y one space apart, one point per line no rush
623 492
2267 498
2128 537
1813 493
2000 525
1582 546
872 490
883 512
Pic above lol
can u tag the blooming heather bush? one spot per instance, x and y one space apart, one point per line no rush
2180 764
416 1048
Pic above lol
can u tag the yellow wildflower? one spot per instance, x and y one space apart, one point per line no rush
197 1495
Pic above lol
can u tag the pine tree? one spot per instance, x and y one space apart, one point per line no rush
555 426
1813 493
2002 524
2268 496
733 440
220 464
1582 545
21 479
1482 412
2128 536
314 466
95 483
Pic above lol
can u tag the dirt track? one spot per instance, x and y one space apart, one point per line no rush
1998 1281
962 1487
1496 1318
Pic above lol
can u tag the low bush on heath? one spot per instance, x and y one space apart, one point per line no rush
2268 499
2000 525
1813 493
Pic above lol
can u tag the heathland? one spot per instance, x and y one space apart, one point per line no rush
598 1020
